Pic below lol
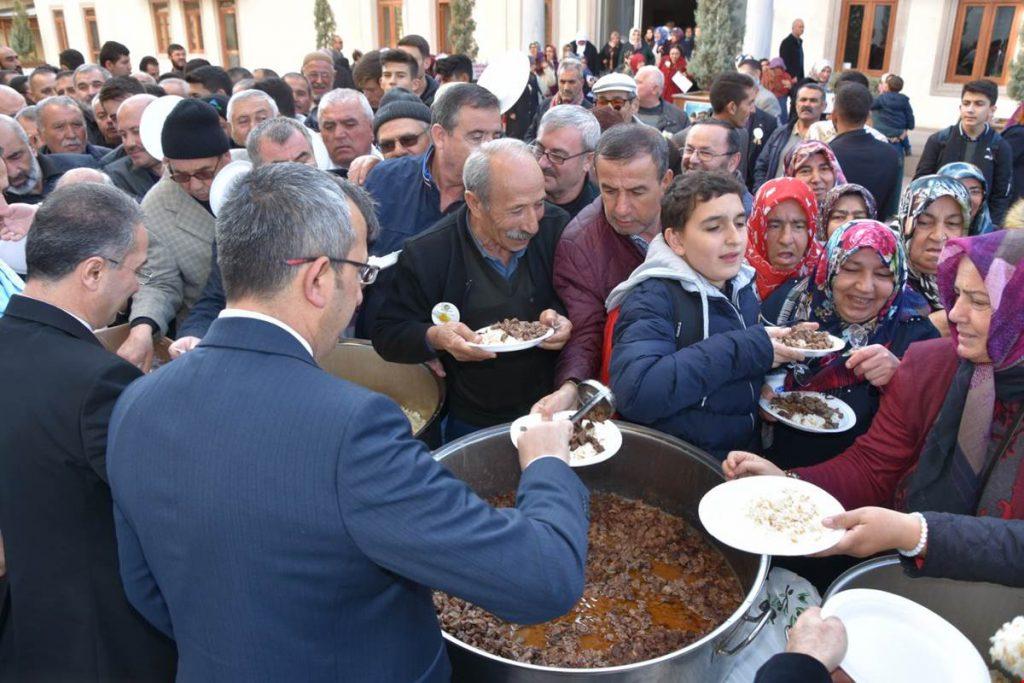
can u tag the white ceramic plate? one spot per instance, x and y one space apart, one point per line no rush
891 638
724 511
847 418
512 346
838 344
607 432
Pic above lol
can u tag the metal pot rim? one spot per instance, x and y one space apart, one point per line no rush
748 601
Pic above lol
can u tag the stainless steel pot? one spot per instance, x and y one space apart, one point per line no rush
975 608
413 386
652 467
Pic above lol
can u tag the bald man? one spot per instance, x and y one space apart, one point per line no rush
83 175
11 101
791 49
9 59
136 171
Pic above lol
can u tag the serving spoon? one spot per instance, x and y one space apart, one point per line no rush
594 397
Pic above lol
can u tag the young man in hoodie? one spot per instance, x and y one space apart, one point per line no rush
688 355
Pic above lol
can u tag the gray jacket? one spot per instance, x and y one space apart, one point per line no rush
136 182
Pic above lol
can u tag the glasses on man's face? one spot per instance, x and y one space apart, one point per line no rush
703 154
202 175
367 273
142 273
406 141
615 103
555 158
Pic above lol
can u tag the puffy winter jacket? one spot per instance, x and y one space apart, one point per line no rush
705 393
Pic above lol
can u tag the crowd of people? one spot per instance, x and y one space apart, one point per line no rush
239 514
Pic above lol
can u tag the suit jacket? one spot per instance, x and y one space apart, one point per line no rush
296 535
53 166
68 619
135 181
871 163
181 234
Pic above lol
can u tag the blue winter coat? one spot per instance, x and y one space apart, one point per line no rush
705 393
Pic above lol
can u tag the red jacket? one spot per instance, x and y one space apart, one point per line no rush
590 260
868 472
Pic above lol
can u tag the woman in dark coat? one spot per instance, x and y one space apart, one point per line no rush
858 291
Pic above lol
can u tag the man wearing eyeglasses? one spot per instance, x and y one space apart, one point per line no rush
713 145
284 524
401 123
69 619
565 151
618 93
181 225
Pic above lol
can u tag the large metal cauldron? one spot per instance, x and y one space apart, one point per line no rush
976 609
652 467
411 386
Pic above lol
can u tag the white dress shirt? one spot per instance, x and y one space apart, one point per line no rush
242 313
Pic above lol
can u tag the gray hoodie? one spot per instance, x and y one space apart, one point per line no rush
661 262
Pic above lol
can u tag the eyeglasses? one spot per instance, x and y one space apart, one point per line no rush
613 102
703 154
202 175
142 274
367 273
554 157
406 141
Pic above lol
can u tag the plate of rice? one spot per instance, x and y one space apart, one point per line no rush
512 334
592 441
891 638
770 515
810 411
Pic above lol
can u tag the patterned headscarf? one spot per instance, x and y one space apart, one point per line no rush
957 471
798 156
916 198
961 170
771 194
832 198
812 300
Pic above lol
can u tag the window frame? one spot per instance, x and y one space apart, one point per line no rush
984 39
195 42
864 50
395 25
443 43
90 20
60 27
163 39
230 58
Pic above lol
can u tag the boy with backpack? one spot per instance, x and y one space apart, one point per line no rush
688 355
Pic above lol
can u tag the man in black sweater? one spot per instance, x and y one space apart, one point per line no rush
492 259
864 160
791 49
973 140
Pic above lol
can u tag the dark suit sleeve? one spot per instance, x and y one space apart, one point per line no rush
929 161
140 586
1002 181
411 516
792 667
94 417
211 302
400 332
973 549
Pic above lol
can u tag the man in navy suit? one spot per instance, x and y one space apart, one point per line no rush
68 619
282 524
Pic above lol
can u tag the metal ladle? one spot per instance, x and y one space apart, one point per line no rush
593 396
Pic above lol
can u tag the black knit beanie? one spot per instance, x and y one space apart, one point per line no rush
192 131
400 109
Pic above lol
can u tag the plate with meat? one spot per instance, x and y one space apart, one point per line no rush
592 441
810 411
770 515
512 334
813 343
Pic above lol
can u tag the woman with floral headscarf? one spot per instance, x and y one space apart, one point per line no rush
945 442
781 244
858 288
974 182
814 163
846 202
933 210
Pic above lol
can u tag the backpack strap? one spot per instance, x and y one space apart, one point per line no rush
687 315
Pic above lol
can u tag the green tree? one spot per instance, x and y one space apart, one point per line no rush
323 20
722 23
460 33
1015 84
22 40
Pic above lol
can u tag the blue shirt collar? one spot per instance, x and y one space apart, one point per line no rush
505 271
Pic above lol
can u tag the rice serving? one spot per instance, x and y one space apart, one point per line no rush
792 515
416 419
1008 647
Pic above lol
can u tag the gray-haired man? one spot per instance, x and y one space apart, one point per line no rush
565 151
